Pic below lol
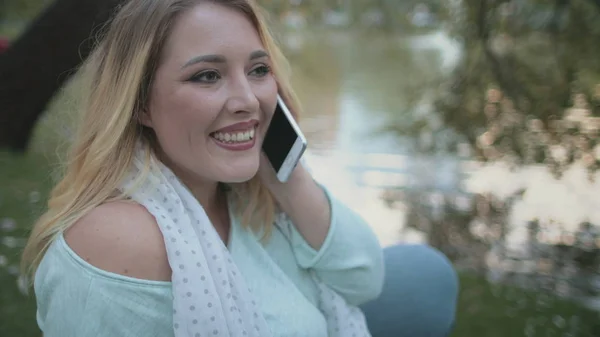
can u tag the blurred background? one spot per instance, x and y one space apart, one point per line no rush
470 125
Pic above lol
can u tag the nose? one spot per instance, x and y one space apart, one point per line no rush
241 96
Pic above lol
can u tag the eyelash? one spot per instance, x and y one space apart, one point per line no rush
199 76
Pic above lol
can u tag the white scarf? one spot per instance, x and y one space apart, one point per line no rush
210 296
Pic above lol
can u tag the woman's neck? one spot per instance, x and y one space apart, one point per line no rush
210 194
213 198
206 192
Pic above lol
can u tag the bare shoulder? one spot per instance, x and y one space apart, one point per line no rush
121 237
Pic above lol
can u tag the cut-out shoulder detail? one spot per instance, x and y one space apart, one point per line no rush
121 238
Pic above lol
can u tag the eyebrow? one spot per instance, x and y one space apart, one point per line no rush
213 58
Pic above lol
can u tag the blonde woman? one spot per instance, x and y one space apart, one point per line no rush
159 227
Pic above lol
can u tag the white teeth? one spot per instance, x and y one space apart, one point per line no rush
235 137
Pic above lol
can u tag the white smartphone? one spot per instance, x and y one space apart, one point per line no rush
284 143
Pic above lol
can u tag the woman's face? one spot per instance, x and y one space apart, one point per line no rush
212 96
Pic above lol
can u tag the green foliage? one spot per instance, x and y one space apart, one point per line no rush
537 62
494 310
25 183
21 9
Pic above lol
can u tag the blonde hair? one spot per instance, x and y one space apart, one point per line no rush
118 76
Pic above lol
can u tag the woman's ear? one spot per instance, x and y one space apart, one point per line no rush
144 118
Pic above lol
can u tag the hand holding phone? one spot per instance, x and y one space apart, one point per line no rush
284 143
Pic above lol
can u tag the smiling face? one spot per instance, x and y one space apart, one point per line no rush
212 96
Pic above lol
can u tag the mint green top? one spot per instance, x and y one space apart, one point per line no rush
77 299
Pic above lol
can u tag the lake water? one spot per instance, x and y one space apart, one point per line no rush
353 86
350 87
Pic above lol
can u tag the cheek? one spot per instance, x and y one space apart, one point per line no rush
268 98
186 112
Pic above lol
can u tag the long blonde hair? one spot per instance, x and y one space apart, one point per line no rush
118 76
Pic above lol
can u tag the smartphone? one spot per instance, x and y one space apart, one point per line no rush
284 143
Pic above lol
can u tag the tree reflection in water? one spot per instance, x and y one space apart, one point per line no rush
524 106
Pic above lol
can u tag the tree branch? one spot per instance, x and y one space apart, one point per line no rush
39 62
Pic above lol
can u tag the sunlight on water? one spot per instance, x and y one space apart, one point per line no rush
450 51
350 154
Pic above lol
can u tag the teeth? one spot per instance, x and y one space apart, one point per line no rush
235 137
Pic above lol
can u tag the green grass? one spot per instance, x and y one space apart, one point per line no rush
25 182
494 310
23 179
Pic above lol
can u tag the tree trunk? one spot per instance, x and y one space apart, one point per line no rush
41 60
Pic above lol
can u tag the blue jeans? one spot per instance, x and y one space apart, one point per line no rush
419 294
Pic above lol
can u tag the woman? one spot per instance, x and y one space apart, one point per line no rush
161 227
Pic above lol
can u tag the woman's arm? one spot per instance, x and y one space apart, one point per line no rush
305 203
331 239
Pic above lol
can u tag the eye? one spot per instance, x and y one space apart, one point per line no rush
261 71
208 76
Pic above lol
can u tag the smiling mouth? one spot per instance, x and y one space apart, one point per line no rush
235 136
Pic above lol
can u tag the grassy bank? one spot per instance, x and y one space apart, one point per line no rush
493 310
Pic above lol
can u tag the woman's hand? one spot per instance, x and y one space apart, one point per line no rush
302 199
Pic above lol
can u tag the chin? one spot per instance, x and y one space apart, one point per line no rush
236 180
237 174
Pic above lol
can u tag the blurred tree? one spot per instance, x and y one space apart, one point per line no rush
41 60
525 92
380 15
15 9
537 66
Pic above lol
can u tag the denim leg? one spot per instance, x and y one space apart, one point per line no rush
419 294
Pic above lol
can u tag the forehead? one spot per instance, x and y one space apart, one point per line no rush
209 28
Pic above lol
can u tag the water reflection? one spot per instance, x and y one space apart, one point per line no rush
349 88
349 92
461 185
